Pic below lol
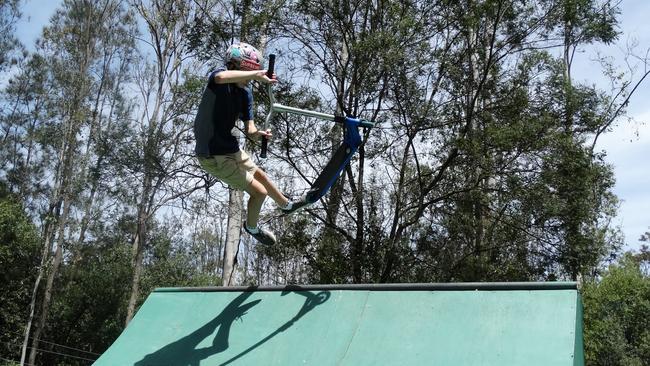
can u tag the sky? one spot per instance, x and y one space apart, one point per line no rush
627 146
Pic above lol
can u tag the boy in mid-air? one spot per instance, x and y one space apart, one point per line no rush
227 98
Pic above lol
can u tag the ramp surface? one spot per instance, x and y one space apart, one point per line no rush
423 324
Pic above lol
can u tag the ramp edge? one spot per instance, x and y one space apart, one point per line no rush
458 286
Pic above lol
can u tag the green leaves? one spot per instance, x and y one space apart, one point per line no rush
616 307
478 170
9 15
19 256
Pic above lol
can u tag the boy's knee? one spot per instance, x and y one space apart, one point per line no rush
258 191
260 175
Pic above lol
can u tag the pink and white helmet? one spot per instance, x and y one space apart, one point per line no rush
243 56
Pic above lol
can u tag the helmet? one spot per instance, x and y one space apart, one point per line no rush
243 56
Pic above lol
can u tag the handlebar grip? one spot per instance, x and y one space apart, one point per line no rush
269 70
265 143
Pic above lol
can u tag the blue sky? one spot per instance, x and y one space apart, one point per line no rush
627 146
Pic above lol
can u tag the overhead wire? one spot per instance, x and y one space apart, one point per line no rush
59 345
13 344
70 348
63 354
15 361
48 351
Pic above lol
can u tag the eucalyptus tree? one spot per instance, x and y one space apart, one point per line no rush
9 15
208 35
469 141
157 162
580 179
19 251
59 102
24 101
467 224
256 21
501 208
23 165
347 49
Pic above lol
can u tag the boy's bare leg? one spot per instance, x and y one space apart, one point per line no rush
270 188
257 194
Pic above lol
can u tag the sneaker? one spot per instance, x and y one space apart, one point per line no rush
294 206
264 236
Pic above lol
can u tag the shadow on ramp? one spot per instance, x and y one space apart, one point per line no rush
311 301
184 351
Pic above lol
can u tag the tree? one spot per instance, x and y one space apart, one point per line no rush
340 43
19 254
580 22
615 314
9 14
474 114
58 101
157 157
88 309
482 165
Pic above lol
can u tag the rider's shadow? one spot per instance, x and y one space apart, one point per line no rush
184 351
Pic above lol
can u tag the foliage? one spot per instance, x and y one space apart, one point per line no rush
617 327
19 255
9 14
481 166
88 311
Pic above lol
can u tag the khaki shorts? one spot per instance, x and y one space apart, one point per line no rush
236 169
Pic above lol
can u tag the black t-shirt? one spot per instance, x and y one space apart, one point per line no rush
221 106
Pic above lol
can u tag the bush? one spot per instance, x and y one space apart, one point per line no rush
617 325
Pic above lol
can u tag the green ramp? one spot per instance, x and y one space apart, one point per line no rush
418 324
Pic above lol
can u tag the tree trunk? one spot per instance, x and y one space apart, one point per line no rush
95 129
63 194
139 241
233 236
49 232
51 276
32 305
165 21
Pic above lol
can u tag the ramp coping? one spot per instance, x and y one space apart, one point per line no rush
457 286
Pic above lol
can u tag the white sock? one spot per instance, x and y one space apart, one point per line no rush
252 230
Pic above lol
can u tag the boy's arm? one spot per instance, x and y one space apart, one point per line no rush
252 131
236 76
